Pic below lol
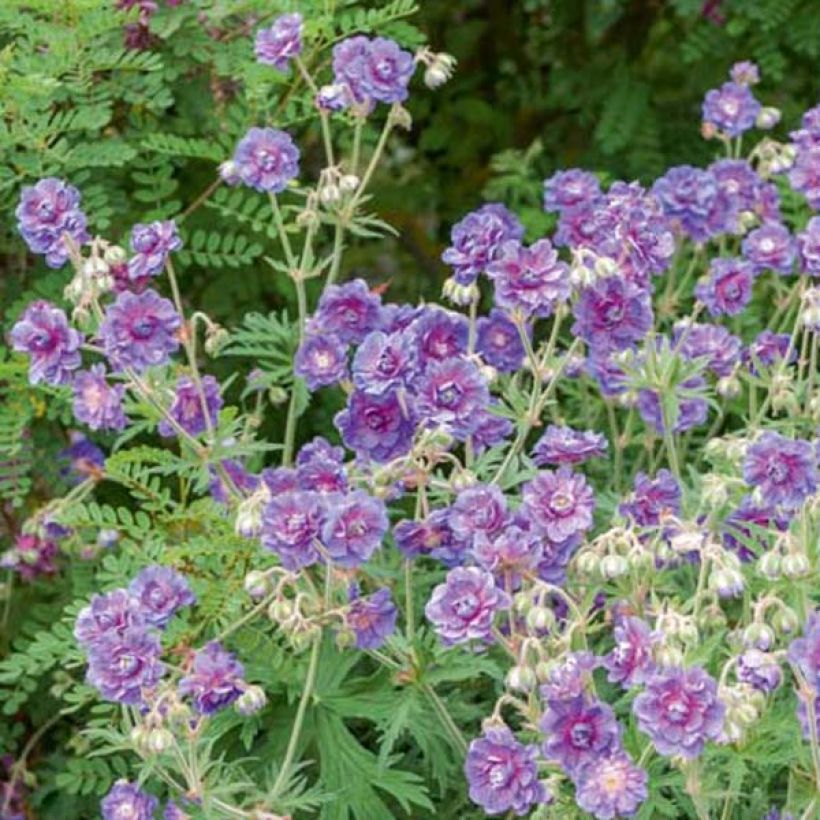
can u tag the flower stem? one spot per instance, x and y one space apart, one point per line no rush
445 718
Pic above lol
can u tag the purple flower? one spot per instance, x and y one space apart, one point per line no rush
372 70
490 429
349 311
783 471
320 467
96 402
746 528
379 428
732 108
430 536
653 499
612 314
559 504
530 279
108 616
503 773
499 342
630 663
139 331
44 334
610 787
267 159
476 239
321 360
563 445
569 676
803 716
808 243
440 334
372 618
383 362
804 175
126 801
83 459
680 711
508 553
152 244
804 652
291 527
692 409
688 196
728 287
31 557
578 731
278 45
555 556
243 480
570 188
760 670
463 607
187 409
278 480
47 212
479 510
711 342
354 527
450 394
741 190
768 349
605 368
770 247
161 591
215 681
123 665
745 73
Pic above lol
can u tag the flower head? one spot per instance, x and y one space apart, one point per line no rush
96 402
499 342
611 786
126 801
680 711
732 108
139 331
711 342
503 773
808 243
563 445
320 467
278 45
569 676
768 349
652 499
570 188
480 510
31 557
161 591
372 70
267 159
354 527
430 536
450 394
463 607
385 361
372 618
47 212
123 665
728 287
187 408
108 616
760 670
559 504
440 334
692 409
771 247
152 244
379 428
630 662
804 652
783 470
349 311
291 527
215 680
476 239
321 360
689 197
508 553
44 334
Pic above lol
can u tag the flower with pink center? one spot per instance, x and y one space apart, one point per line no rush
450 394
559 504
784 471
728 287
630 663
354 527
611 787
52 345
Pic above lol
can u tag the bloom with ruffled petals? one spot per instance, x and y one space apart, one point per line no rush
215 680
320 467
732 108
126 801
612 314
783 471
711 342
503 773
508 553
569 676
745 72
611 786
187 409
291 526
680 711
577 731
653 498
354 527
385 361
808 243
490 429
768 349
96 402
321 360
139 331
630 662
278 45
532 280
372 69
122 666
570 188
44 334
770 247
728 287
463 607
440 334
430 536
475 240
161 591
760 670
499 342
349 311
804 175
688 196
804 652
47 212
692 409
108 616
479 510
559 504
152 244
563 445
267 159
379 428
748 528
450 394
372 618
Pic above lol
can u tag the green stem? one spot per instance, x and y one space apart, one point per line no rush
445 718
307 693
409 614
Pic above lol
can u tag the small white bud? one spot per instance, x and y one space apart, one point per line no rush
348 183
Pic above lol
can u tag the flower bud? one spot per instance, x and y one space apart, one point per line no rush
277 395
216 339
462 480
785 620
769 565
668 655
251 700
348 183
758 636
138 736
588 563
688 631
157 741
727 582
439 70
795 565
613 566
229 172
522 603
115 255
728 387
280 611
256 584
768 117
540 619
330 194
521 678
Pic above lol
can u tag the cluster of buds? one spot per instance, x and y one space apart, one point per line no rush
249 514
759 634
335 186
771 157
153 735
786 559
810 309
744 705
439 67
728 451
679 631
587 267
93 273
613 554
459 294
726 578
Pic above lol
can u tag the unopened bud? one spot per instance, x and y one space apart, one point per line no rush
768 117
280 611
540 619
588 563
216 339
668 655
251 700
330 194
256 584
439 70
758 636
795 565
521 678
769 565
115 255
348 183
613 566
157 741
785 620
